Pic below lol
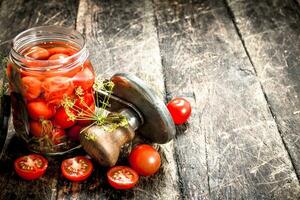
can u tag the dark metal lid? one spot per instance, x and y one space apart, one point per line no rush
157 125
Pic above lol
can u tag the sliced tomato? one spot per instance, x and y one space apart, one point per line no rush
62 119
32 87
122 177
39 109
37 53
77 169
30 167
58 136
74 133
85 79
56 88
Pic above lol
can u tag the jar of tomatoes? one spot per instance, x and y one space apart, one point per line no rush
51 85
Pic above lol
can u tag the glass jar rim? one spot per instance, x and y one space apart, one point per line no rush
51 64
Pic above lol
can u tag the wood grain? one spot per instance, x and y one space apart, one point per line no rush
16 16
272 40
121 37
232 134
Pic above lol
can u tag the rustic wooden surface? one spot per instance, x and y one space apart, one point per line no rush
237 62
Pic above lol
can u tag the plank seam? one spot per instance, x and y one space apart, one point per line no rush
230 12
168 97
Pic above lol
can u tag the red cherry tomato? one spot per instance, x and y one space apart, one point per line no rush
40 110
58 136
37 53
121 177
61 50
77 169
40 128
145 160
62 119
30 167
180 110
84 78
58 56
32 87
85 101
36 128
56 88
74 132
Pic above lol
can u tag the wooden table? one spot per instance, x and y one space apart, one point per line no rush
236 61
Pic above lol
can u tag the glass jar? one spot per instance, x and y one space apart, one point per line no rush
51 86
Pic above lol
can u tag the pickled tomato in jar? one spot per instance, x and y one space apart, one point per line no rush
51 81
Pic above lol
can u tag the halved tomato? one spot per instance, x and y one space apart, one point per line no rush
77 169
30 167
122 177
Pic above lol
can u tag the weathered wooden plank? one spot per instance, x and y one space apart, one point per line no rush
121 37
16 16
272 39
232 132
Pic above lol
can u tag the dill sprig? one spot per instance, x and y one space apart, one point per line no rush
99 117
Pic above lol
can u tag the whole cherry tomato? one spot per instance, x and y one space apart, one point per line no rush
40 110
121 177
37 53
74 132
145 160
58 56
30 167
84 78
62 119
85 101
58 136
40 128
77 169
61 50
56 88
180 110
32 87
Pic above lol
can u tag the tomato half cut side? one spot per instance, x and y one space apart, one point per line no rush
31 167
77 169
122 177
